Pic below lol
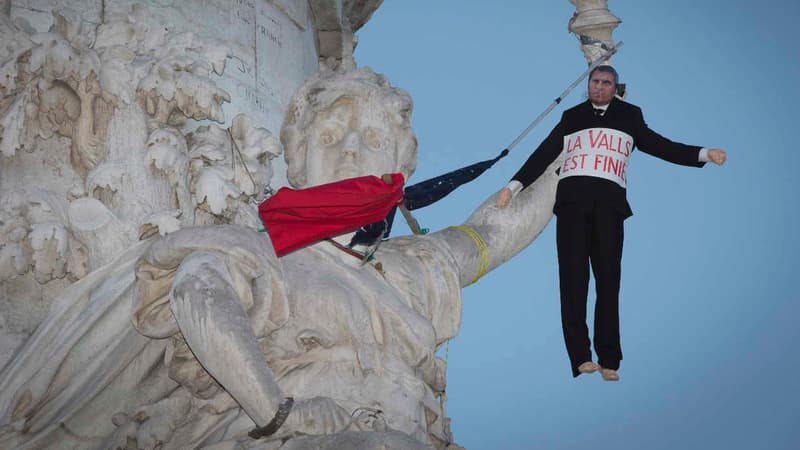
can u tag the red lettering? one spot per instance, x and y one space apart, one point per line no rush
597 159
572 162
618 148
575 146
565 168
601 140
604 142
592 140
611 165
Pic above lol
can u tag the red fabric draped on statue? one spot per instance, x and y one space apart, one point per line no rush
295 218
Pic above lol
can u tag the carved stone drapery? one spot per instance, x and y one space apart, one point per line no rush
139 139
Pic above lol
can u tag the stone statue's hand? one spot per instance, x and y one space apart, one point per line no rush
503 197
387 178
368 419
717 156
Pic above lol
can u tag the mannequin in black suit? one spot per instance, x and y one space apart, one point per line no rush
597 137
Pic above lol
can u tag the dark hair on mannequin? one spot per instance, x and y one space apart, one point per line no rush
607 69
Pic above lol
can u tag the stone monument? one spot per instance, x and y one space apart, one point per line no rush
140 306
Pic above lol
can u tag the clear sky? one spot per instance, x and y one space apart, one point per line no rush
710 299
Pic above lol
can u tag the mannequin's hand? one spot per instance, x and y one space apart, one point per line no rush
717 156
504 197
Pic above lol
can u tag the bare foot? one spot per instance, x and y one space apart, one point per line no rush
588 367
609 374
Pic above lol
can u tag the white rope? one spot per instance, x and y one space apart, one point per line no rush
536 121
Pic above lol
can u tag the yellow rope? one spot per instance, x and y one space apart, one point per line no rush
443 394
483 250
483 266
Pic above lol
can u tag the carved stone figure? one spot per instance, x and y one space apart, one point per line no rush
96 110
343 338
171 322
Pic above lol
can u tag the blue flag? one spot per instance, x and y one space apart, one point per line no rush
423 194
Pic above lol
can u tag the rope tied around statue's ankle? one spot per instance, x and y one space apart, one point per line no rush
280 417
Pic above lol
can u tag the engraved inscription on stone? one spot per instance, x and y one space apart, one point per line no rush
296 11
244 11
253 97
270 28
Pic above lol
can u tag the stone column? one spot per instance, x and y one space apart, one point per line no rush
122 119
593 23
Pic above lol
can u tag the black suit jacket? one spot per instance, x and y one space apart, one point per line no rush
578 190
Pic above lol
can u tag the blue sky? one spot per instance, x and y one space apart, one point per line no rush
709 300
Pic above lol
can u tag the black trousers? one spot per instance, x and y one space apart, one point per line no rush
590 234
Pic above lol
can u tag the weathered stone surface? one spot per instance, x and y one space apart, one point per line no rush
593 23
141 308
99 111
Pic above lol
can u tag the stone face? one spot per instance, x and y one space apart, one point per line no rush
141 308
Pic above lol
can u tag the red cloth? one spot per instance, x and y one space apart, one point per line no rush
295 218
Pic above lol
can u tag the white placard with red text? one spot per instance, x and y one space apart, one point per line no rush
597 152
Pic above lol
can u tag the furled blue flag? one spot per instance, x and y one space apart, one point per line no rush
423 194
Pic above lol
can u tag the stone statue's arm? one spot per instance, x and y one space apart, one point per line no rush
224 289
503 231
221 286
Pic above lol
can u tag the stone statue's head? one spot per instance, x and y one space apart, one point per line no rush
345 125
